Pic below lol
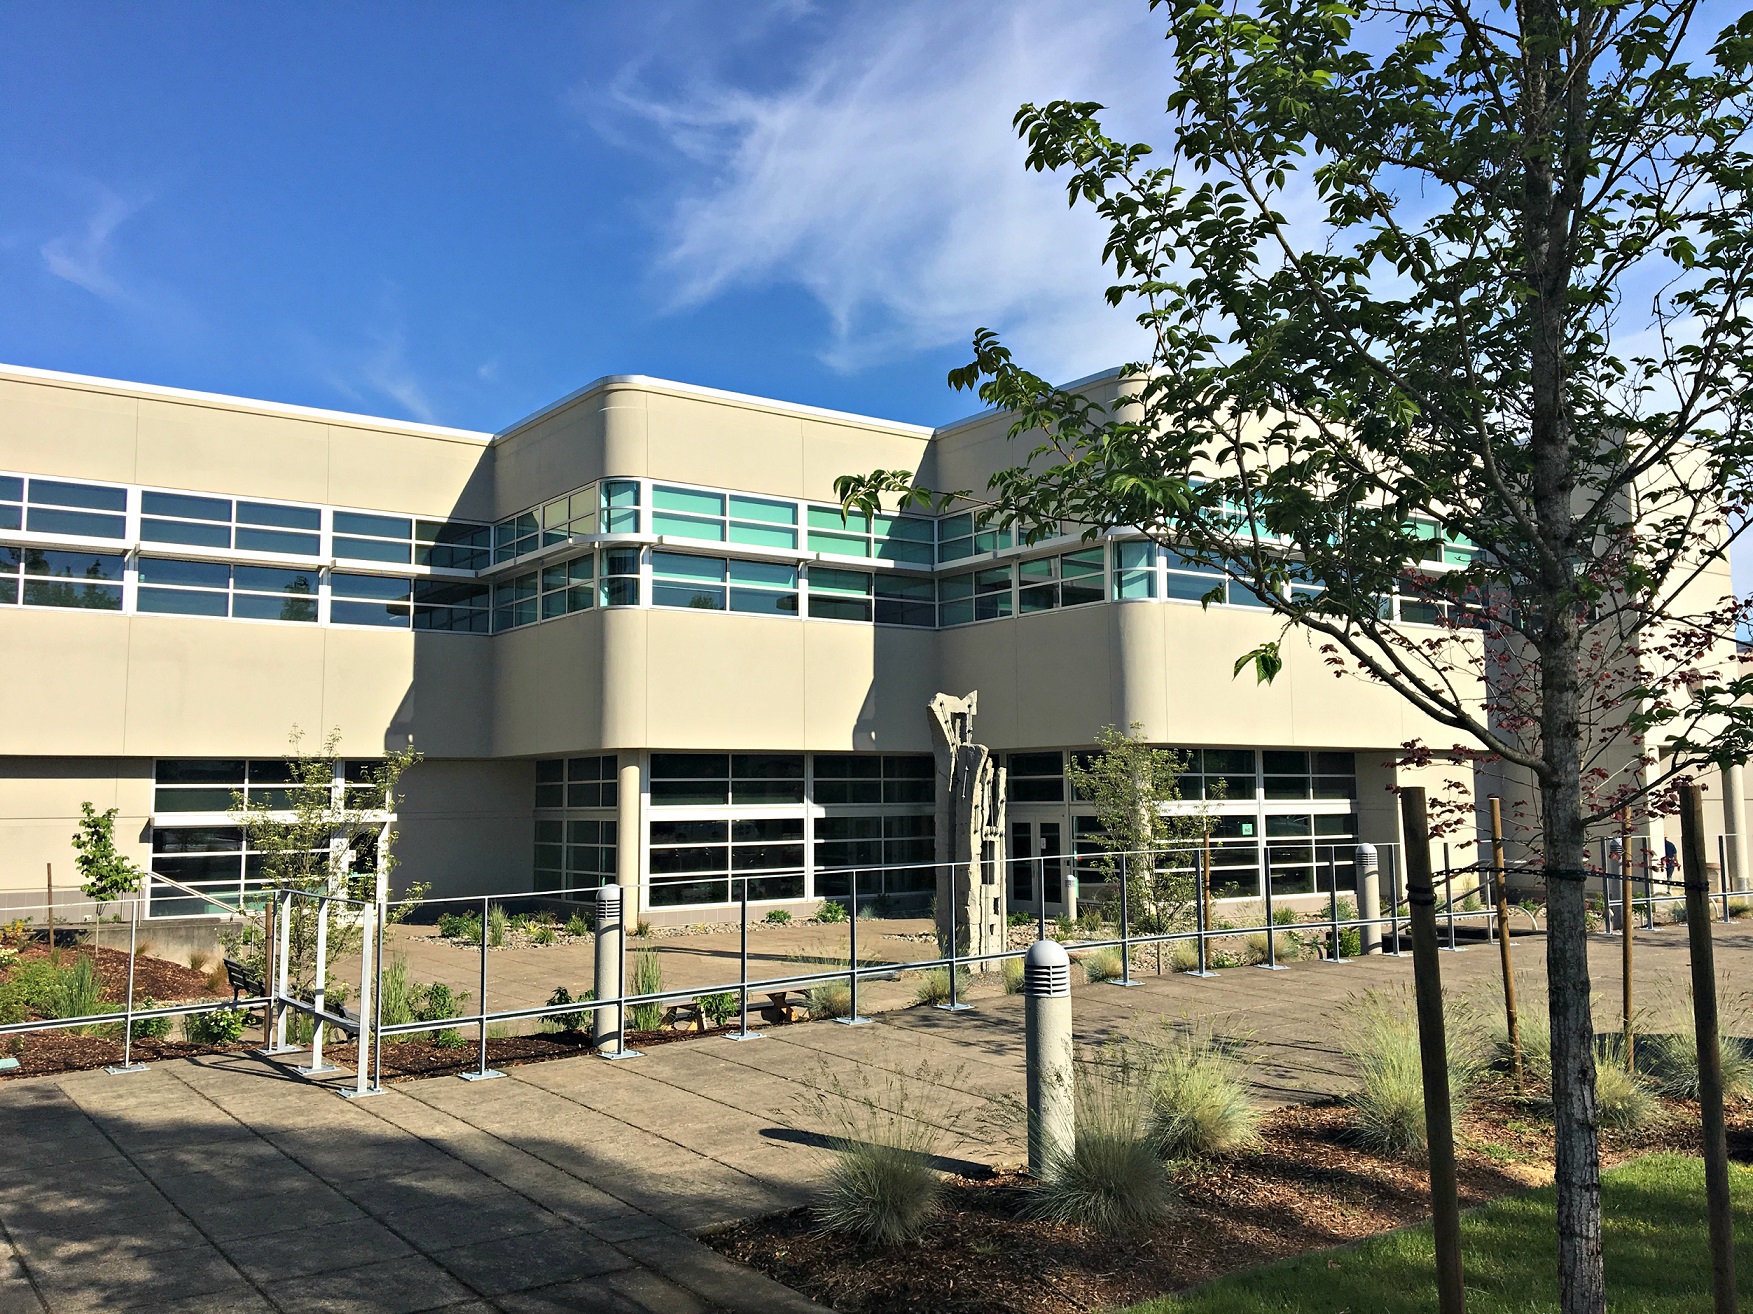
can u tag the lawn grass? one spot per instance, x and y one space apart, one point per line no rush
1658 1259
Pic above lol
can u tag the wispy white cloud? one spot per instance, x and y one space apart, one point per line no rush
83 257
884 177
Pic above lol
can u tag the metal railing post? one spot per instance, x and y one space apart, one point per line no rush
364 1081
742 1032
955 1004
319 995
1449 895
283 969
1126 980
128 1064
483 1072
1394 895
1722 866
853 1019
1200 929
1333 904
1271 964
1041 893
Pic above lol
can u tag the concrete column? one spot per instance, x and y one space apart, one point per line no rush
606 1022
1735 825
1369 897
1048 1055
630 833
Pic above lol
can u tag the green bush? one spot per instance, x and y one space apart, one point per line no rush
830 999
1064 930
150 1028
831 911
437 1002
1019 919
396 996
777 917
933 985
579 925
1672 1063
31 988
1624 1100
718 1008
223 1026
1380 1031
1199 1101
1113 1179
460 926
1350 937
77 992
647 980
1102 965
544 933
569 1021
1013 976
497 925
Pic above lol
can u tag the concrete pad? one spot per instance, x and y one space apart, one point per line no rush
322 1249
444 1227
539 1259
395 1286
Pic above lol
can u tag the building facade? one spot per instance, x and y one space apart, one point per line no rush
633 636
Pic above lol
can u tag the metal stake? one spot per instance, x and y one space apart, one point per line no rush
128 1064
742 1032
853 1020
1333 908
1199 927
370 958
319 993
1126 980
483 1073
955 1005
1271 964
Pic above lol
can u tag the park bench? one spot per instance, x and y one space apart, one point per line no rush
679 1014
782 1006
245 982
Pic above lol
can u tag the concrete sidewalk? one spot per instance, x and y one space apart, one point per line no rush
230 1184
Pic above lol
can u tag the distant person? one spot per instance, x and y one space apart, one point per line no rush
1670 858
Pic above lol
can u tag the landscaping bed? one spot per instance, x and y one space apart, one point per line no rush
1304 1186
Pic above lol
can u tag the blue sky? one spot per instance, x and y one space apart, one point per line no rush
457 213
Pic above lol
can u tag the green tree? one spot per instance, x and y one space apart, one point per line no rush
1447 304
105 874
1135 788
327 830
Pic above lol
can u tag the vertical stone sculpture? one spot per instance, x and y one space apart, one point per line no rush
971 886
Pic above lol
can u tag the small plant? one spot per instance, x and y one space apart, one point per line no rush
1019 919
1102 965
568 1021
1199 1101
497 925
198 961
578 926
882 1189
223 1026
1533 1029
1381 1038
647 980
830 999
1064 929
777 917
1089 919
104 873
933 986
77 992
831 911
218 980
1350 937
460 926
544 933
1112 1179
1624 1100
437 1002
718 1008
1012 970
150 1028
642 929
1184 956
397 1000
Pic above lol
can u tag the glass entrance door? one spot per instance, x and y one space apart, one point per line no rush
1037 866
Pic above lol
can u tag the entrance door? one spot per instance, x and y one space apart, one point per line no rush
1037 866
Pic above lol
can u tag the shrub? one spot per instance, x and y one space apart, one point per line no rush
1533 1028
933 986
1013 976
1381 1038
437 1002
1019 919
1089 919
544 933
579 925
718 1008
198 961
1624 1100
568 1021
1199 1102
647 980
460 926
397 998
1112 1179
497 923
150 1028
1183 956
1102 965
881 1189
1064 929
223 1026
1350 937
831 911
777 917
830 999
31 988
76 991
1672 1062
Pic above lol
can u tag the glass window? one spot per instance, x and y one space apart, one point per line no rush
11 502
678 580
763 587
516 601
910 778
273 527
856 534
569 586
687 513
84 510
682 779
457 606
1135 573
86 580
185 518
906 600
766 778
839 594
1190 581
762 522
1037 777
452 545
620 506
966 535
1067 580
842 778
979 595
370 600
620 577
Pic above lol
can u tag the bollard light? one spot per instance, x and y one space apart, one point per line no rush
1047 1038
606 1023
1369 899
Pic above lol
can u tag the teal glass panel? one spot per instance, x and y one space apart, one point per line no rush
763 574
679 526
845 545
760 508
847 582
675 565
354 522
913 553
773 536
913 529
689 501
831 517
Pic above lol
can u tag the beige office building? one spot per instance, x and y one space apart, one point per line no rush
633 637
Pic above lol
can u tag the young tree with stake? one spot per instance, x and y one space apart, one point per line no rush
1449 322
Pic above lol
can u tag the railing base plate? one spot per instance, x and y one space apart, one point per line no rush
123 1069
620 1054
354 1093
487 1075
745 1035
954 1008
853 1021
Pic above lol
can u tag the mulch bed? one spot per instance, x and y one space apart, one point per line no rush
1304 1187
165 981
419 1056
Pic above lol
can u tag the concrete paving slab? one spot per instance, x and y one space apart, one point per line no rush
321 1249
395 1286
506 1264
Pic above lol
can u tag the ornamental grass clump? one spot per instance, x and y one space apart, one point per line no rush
1381 1038
647 980
934 985
1199 1101
1112 1179
882 1188
1670 1060
1625 1100
1102 965
829 999
1533 1029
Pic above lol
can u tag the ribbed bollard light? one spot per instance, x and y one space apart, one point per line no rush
1369 898
1047 1036
606 1022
